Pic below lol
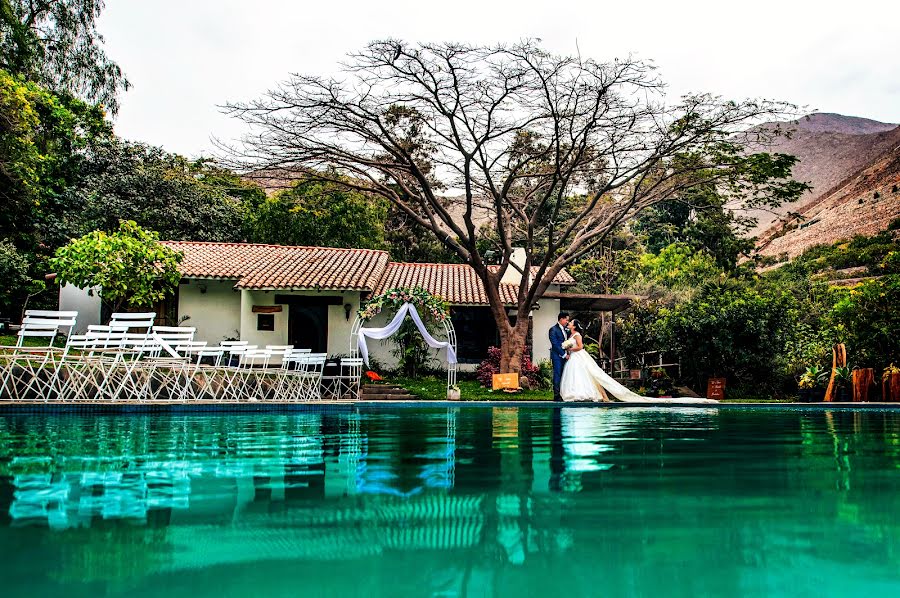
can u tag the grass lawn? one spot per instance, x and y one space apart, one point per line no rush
435 389
9 340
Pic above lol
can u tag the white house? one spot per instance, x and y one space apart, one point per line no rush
309 296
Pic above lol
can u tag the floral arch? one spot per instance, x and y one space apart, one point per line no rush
415 302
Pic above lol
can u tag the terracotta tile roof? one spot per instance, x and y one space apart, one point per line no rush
563 278
456 283
256 266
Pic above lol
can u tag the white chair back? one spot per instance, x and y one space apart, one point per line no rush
45 324
128 320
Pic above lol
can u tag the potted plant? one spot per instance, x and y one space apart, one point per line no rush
843 377
453 393
812 385
661 385
890 383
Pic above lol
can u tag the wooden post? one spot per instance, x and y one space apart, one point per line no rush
890 389
863 379
838 360
612 344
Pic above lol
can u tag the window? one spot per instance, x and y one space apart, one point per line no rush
475 332
265 321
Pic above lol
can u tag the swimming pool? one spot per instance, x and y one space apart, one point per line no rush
459 501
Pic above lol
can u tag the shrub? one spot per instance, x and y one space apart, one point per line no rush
491 365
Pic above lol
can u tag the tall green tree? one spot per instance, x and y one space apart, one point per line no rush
178 198
44 140
320 214
127 267
706 217
55 43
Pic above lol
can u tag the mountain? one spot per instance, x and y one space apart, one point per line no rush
864 200
830 147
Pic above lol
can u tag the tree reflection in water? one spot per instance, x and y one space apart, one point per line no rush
503 498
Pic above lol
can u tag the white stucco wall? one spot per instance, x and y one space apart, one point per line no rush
249 333
338 325
88 305
541 321
214 309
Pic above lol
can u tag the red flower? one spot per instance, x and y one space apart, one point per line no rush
373 376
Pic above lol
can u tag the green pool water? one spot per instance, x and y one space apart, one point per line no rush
468 501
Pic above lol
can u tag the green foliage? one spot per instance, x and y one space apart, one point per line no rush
870 317
128 267
17 282
611 268
408 241
814 377
322 215
43 142
413 354
730 328
55 43
178 198
679 266
699 220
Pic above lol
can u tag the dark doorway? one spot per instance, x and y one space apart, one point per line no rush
308 327
475 332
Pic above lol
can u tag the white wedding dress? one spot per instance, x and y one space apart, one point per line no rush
582 379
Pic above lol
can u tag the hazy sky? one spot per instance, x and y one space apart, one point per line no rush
186 57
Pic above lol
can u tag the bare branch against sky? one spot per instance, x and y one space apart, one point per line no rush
825 55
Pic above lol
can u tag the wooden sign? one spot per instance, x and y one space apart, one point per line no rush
634 374
266 309
505 381
715 389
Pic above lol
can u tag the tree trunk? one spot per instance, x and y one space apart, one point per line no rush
512 343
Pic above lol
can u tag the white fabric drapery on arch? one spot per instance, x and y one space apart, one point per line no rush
386 331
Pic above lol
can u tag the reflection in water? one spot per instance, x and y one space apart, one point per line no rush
450 502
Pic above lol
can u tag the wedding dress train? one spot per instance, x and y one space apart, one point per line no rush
582 379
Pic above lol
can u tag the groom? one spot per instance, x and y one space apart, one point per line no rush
558 355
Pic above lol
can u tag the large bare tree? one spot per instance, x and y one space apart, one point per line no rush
553 152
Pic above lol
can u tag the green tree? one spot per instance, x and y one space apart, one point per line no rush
17 280
730 329
44 139
320 215
704 217
128 267
870 318
408 241
178 198
55 43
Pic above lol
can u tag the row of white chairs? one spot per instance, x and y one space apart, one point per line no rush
133 359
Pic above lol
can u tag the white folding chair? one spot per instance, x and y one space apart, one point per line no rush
289 378
252 372
233 371
349 378
30 371
313 368
201 379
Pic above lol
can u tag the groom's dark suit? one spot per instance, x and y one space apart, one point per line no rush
558 357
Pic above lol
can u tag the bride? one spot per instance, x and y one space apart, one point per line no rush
584 380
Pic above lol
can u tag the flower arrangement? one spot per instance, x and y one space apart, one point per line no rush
569 343
429 306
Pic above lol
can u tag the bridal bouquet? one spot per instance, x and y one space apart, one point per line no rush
569 343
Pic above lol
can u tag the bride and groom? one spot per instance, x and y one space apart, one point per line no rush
577 377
